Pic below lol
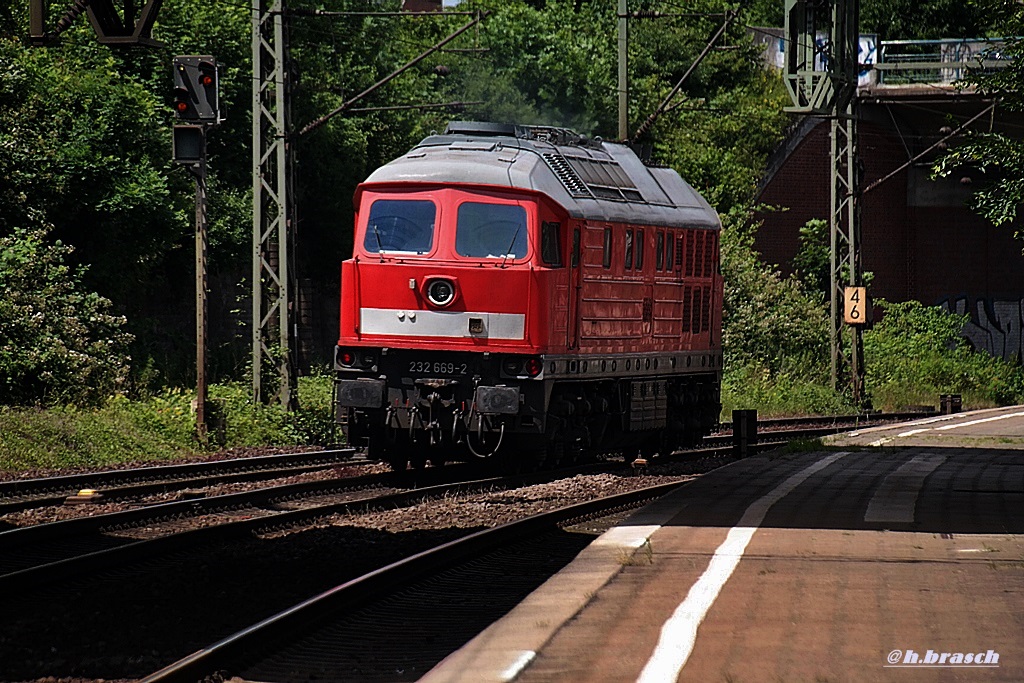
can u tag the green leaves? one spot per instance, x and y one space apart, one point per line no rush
916 353
58 343
996 163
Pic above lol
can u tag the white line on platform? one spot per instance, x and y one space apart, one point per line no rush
896 498
976 422
679 633
912 432
524 658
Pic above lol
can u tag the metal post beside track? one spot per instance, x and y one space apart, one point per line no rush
744 432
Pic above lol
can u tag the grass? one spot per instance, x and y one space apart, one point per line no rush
161 427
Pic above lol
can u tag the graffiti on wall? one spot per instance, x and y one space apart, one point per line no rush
994 325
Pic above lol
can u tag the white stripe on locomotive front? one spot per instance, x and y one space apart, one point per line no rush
397 322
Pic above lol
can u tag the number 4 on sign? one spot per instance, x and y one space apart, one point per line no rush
855 305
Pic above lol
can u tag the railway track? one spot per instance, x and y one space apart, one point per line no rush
156 602
73 548
23 494
135 483
42 552
430 603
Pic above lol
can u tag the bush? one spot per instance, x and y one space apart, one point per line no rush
915 353
779 393
160 427
58 344
769 321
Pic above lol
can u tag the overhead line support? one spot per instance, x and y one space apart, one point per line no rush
821 78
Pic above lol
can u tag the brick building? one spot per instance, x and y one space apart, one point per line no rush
919 238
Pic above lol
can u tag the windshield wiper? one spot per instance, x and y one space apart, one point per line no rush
380 247
509 250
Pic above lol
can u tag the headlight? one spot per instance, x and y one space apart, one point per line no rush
441 292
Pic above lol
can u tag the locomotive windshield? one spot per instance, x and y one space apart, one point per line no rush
405 225
491 231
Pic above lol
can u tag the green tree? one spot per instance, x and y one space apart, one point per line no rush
58 342
930 19
770 321
996 157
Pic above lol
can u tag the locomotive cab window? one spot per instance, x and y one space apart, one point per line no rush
550 243
491 231
401 225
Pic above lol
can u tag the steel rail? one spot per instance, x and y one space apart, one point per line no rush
379 582
127 550
72 483
183 508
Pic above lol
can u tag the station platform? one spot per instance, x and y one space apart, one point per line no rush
887 556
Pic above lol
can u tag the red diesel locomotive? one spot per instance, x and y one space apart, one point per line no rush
525 293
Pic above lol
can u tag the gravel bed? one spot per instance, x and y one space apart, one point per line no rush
467 511
133 621
59 513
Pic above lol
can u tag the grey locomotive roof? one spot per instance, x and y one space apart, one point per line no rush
591 179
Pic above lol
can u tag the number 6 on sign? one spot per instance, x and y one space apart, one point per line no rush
855 304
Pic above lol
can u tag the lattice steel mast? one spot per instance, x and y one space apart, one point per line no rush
273 278
822 41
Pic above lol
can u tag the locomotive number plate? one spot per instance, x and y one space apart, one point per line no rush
437 368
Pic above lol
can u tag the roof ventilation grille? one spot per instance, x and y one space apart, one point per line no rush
565 172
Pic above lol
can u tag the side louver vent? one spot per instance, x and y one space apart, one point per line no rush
567 174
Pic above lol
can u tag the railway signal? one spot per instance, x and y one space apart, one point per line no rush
197 105
197 89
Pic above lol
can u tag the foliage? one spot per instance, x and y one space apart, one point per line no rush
82 152
58 343
770 322
161 427
779 394
812 264
998 158
927 19
916 352
901 19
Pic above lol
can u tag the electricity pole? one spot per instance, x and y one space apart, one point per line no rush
274 291
623 82
822 44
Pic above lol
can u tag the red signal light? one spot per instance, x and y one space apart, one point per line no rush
182 101
206 80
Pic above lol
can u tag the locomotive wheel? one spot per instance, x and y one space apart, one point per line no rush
389 450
